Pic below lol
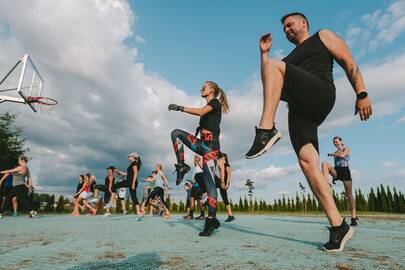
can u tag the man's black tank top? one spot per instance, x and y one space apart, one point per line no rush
313 57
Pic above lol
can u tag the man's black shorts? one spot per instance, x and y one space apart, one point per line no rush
310 100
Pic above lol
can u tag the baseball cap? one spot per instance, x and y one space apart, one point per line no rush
133 154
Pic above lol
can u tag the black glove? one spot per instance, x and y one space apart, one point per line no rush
174 107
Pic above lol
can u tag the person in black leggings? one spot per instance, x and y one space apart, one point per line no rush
157 191
22 183
131 181
107 187
207 145
223 181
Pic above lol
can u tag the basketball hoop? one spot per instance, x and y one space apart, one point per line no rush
45 104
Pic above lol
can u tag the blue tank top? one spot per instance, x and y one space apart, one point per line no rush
342 162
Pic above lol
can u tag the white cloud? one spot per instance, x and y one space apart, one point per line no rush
400 120
389 164
378 28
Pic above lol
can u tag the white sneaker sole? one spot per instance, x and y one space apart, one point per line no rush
348 235
267 147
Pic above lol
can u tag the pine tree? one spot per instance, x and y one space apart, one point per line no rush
372 201
240 207
61 204
384 201
309 203
284 205
390 200
245 205
401 202
298 206
396 201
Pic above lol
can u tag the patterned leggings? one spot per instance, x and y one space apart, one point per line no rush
208 147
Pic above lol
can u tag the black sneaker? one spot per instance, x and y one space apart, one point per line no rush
353 221
264 140
230 218
181 170
200 217
338 237
210 225
188 217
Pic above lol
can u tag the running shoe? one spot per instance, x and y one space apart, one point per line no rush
107 214
230 218
33 213
139 218
14 214
210 225
204 198
1 216
264 140
125 213
200 217
93 200
338 237
181 170
353 221
188 217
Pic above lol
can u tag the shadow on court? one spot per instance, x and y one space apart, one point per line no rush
149 261
242 229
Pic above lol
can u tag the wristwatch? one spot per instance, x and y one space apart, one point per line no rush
361 95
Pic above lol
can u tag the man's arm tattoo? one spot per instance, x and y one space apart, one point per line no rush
353 75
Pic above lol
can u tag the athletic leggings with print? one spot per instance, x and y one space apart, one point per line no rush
208 147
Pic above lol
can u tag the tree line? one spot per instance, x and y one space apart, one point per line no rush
384 199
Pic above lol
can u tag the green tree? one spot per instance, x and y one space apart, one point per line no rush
60 207
245 205
240 206
390 200
11 141
50 203
384 201
396 201
372 201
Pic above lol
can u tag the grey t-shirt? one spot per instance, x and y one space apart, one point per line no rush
20 178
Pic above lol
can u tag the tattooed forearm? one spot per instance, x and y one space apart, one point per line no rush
353 74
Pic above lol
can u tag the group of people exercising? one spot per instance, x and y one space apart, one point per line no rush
304 80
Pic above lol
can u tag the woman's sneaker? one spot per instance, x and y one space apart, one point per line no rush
181 170
230 218
264 140
210 225
15 214
200 217
33 213
353 221
338 237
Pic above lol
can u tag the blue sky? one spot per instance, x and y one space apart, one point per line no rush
119 64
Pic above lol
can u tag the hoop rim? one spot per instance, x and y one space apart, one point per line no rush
42 100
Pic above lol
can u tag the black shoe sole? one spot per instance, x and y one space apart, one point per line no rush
267 147
178 181
348 235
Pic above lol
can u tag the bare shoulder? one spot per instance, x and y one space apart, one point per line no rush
326 35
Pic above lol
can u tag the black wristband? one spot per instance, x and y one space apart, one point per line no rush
361 95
